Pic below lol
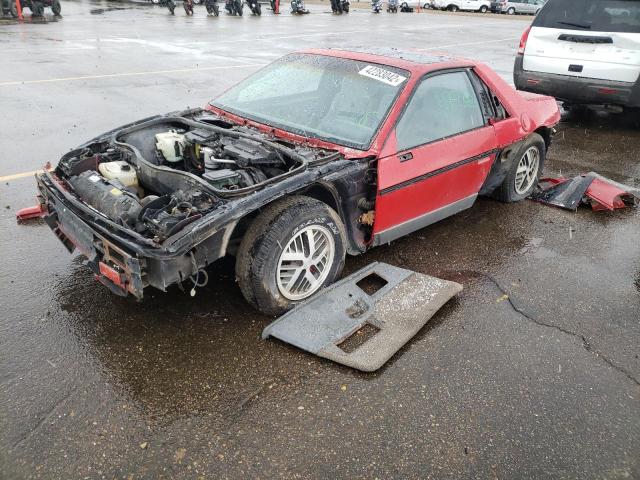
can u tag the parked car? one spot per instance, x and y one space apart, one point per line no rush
455 5
320 154
511 7
588 55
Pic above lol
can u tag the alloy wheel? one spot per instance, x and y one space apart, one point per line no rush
527 170
305 262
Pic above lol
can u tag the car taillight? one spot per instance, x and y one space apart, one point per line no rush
523 40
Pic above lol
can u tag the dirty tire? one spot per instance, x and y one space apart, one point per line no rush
506 192
264 241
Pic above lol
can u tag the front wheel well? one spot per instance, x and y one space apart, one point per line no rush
323 194
546 134
316 191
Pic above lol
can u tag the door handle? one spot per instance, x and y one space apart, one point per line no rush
406 156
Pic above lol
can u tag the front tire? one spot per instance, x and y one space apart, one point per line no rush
511 11
453 8
523 175
291 251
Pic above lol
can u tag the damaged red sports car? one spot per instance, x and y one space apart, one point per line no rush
320 154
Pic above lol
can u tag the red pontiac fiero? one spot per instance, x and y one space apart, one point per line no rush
320 154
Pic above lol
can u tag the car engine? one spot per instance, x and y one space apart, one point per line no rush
157 178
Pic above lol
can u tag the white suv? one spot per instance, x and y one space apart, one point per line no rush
583 54
455 5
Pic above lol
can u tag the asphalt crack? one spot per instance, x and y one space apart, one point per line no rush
45 416
585 343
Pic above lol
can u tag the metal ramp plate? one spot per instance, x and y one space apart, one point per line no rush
402 304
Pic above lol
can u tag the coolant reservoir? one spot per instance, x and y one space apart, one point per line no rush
171 145
121 171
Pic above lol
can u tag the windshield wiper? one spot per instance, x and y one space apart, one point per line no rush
579 25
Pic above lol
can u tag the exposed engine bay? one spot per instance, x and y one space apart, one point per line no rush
162 174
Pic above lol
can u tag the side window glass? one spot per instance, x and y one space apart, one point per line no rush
442 106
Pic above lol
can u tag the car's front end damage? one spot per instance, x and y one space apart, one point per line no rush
154 202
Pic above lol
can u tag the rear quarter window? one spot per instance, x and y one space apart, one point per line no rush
591 15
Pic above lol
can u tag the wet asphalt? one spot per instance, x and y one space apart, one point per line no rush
531 372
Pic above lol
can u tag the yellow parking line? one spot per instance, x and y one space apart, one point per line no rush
17 176
127 74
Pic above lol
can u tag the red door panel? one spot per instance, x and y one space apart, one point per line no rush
438 174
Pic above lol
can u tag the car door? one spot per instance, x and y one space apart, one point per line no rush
436 158
538 5
531 6
523 6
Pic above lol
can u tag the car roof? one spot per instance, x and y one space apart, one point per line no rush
412 60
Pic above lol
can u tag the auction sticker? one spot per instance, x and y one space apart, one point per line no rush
382 75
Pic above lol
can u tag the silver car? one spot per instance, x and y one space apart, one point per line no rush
511 7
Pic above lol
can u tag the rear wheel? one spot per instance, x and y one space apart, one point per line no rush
511 11
291 251
453 8
56 8
483 9
258 9
523 175
13 9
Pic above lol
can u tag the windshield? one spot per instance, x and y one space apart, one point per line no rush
591 15
335 99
